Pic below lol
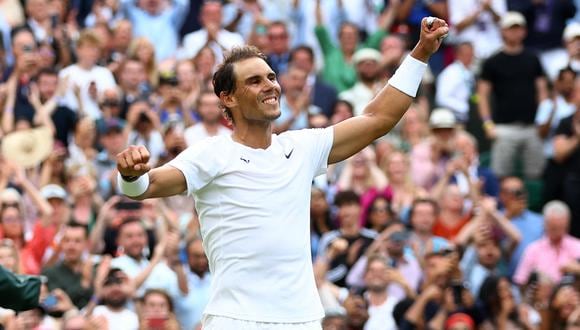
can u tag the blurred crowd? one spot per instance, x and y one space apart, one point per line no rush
465 216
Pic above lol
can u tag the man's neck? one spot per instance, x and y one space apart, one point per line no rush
257 135
377 297
72 264
513 49
556 242
211 127
85 65
510 214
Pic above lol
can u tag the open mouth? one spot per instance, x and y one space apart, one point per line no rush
270 100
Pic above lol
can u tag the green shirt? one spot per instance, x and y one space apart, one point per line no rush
337 71
18 292
62 277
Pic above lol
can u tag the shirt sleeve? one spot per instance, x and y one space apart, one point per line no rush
198 164
544 111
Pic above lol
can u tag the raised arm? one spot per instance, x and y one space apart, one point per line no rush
139 181
387 108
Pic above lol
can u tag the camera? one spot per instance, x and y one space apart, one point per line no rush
457 287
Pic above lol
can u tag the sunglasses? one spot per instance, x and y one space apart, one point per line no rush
519 193
9 204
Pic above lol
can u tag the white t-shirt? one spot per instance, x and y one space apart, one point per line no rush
381 316
254 210
197 132
101 76
125 319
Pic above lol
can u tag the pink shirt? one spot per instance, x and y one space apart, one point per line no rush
547 259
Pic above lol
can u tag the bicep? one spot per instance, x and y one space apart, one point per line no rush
165 181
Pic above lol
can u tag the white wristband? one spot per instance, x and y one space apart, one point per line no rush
133 188
408 76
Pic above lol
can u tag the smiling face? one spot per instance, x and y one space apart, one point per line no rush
257 94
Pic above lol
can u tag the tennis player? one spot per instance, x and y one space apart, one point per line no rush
252 189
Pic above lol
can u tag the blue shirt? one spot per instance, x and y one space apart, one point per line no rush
531 226
162 30
189 309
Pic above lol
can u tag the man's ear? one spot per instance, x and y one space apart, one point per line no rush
228 100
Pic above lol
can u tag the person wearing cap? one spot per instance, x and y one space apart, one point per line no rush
339 70
429 158
366 62
569 58
515 80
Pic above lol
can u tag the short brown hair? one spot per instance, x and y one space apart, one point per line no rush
89 37
224 79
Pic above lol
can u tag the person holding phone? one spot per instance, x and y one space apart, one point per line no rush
252 188
156 312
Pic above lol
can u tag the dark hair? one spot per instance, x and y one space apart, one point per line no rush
567 69
278 23
346 197
76 224
370 208
345 102
46 72
127 221
159 292
301 48
489 297
424 201
224 79
19 29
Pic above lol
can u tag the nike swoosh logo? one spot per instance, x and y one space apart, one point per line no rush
245 160
289 154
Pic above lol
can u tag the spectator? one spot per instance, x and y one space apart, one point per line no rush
515 78
295 103
362 175
489 258
366 62
113 140
422 217
563 307
189 308
323 94
320 219
555 254
570 58
379 214
357 239
550 114
159 21
114 292
143 50
453 215
157 311
142 128
90 78
429 158
278 47
73 274
477 23
208 108
513 196
132 82
211 33
567 153
455 84
378 275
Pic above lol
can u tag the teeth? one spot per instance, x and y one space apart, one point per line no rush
270 100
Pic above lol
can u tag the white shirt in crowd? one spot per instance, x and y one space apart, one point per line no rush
197 132
381 316
455 85
254 206
77 76
161 277
195 41
563 109
484 34
125 319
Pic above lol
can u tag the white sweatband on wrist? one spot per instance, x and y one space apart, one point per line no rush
133 188
408 76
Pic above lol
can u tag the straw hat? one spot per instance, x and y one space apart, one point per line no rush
28 148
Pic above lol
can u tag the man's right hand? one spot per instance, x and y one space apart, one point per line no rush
132 162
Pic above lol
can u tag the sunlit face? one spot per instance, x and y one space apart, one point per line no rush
423 217
155 305
257 94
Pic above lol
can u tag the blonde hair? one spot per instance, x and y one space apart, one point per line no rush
151 65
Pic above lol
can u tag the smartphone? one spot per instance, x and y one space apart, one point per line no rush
129 205
49 302
53 21
457 288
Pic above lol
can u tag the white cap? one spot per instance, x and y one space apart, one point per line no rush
512 18
53 191
442 118
571 31
365 54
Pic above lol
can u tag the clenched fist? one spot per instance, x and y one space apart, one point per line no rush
132 162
